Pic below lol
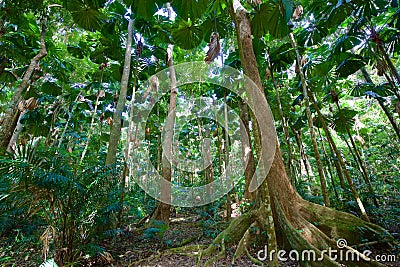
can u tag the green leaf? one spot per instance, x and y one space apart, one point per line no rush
51 88
349 66
369 8
360 89
300 122
218 24
218 6
288 6
338 14
321 69
143 8
7 77
343 120
193 9
186 35
312 35
271 18
318 122
282 56
76 51
85 14
346 43
381 90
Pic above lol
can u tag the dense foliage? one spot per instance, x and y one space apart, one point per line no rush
58 195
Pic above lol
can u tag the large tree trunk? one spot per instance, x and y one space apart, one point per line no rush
163 209
304 225
12 113
115 133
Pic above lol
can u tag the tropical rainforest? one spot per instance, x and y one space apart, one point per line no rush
199 133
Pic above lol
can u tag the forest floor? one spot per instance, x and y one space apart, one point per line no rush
133 248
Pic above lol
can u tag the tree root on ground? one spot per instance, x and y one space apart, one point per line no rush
307 227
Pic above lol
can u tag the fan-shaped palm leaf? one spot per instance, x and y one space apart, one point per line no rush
187 35
343 120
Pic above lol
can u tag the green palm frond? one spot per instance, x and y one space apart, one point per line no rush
343 120
85 13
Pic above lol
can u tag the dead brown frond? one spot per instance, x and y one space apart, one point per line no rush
46 238
213 48
298 12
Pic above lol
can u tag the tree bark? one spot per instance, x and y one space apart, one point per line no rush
12 113
163 209
115 132
340 159
389 62
305 167
249 63
381 103
91 127
247 150
227 170
311 125
303 225
328 163
284 126
14 138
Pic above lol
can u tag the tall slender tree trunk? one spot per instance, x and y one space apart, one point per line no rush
12 113
390 117
284 126
70 112
247 150
3 63
304 163
209 169
389 62
17 131
115 133
361 165
381 103
311 125
227 170
163 209
359 161
127 152
328 164
338 168
340 159
91 127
